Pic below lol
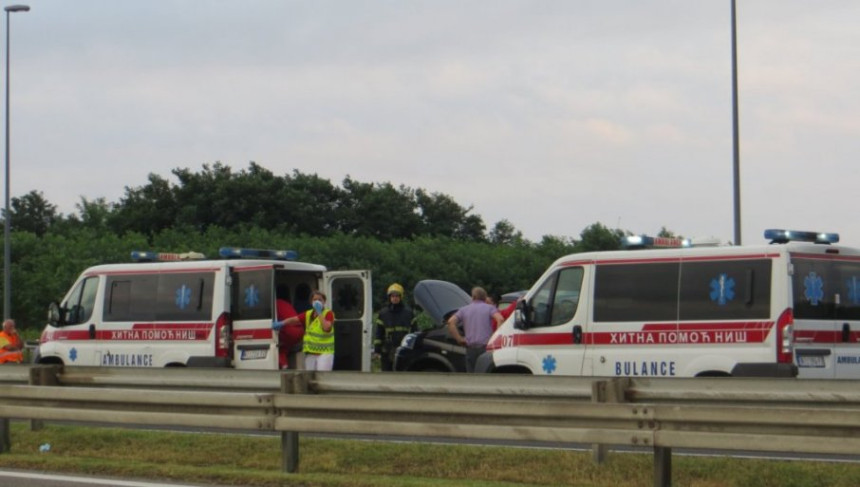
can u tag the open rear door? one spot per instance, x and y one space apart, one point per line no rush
252 308
349 295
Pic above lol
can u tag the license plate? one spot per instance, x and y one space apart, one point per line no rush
258 354
810 361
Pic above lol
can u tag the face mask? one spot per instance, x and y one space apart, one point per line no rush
318 306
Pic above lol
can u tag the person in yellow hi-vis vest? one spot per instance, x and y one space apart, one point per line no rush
11 345
319 333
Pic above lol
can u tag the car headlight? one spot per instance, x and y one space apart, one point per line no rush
409 341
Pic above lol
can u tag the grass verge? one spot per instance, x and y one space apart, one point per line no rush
231 459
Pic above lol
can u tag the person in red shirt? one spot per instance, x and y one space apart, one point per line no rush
494 300
288 336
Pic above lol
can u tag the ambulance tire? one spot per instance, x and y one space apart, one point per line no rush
430 368
713 373
512 370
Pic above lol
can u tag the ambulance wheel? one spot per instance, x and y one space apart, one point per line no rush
431 368
713 373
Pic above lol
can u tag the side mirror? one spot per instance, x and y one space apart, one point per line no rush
55 314
521 316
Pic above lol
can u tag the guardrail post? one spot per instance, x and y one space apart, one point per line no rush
612 391
43 375
292 383
662 466
5 439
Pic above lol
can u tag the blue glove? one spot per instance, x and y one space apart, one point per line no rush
276 325
318 307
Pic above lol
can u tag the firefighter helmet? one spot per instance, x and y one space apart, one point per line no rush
395 288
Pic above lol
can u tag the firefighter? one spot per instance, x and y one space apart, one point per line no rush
393 323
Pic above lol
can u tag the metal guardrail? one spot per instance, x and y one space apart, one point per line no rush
784 415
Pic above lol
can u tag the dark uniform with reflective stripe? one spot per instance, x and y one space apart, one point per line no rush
394 322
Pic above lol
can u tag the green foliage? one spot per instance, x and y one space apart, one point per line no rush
400 234
599 237
32 213
302 204
44 268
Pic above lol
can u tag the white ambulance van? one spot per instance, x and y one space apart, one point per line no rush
788 308
166 310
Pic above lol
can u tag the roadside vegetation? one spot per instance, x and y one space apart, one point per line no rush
231 459
401 234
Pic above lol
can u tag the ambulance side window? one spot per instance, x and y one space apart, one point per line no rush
812 290
82 301
557 299
185 297
541 303
566 298
725 290
636 292
347 300
130 298
826 290
846 280
253 295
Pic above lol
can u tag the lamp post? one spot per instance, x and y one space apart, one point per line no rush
7 254
737 157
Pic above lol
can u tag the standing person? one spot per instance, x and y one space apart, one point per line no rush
288 336
479 320
11 345
319 333
494 300
508 310
393 323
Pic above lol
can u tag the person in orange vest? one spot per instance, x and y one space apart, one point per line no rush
11 345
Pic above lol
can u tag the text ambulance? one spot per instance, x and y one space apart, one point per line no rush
779 310
184 310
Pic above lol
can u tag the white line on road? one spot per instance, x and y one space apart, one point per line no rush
86 480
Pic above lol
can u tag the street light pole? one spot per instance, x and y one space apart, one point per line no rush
737 156
7 217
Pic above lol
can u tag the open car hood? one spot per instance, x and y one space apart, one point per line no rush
440 298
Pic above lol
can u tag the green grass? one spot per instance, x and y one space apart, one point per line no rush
232 459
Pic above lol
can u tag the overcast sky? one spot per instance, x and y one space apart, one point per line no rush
550 114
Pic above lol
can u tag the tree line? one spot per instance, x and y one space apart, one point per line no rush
401 234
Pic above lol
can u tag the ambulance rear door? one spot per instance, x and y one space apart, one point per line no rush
846 279
350 297
815 325
252 308
826 299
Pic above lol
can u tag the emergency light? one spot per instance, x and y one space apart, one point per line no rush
147 256
646 242
243 253
784 236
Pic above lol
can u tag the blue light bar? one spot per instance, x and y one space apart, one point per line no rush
633 241
143 256
243 253
783 236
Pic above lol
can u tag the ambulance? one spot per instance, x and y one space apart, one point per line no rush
668 308
178 310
